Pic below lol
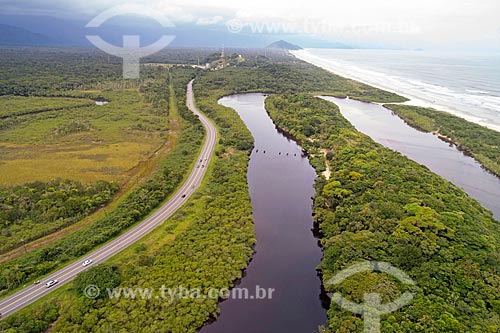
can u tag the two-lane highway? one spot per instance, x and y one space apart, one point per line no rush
31 293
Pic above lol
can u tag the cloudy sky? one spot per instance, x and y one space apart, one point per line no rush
452 24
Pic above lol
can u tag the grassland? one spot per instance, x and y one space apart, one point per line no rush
20 105
206 244
87 143
66 136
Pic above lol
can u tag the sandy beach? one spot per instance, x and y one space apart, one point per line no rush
389 84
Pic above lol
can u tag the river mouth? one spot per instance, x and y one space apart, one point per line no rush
280 181
440 157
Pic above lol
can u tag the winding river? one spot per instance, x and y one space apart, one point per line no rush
281 182
425 148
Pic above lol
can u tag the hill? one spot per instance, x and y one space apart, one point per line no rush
283 45
10 35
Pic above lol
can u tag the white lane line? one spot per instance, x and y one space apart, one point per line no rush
66 274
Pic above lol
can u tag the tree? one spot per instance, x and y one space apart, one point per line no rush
103 276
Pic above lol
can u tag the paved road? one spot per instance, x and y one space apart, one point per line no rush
31 293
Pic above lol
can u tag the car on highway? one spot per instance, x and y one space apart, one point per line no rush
87 262
22 298
51 283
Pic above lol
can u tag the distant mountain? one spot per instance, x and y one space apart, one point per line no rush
56 31
73 32
62 31
283 45
10 35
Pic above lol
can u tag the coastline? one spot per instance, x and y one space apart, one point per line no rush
413 100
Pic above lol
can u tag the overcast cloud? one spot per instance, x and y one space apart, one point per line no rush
423 23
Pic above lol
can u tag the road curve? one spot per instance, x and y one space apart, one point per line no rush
30 294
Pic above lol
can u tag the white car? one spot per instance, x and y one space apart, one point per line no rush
87 262
51 283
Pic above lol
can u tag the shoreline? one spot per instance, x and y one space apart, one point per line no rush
412 100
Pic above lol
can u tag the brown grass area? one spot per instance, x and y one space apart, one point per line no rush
132 177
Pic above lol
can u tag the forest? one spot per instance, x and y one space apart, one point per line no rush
31 211
269 76
42 71
133 208
379 205
479 141
207 244
54 162
37 71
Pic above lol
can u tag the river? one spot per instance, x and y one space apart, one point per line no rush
280 181
287 253
425 148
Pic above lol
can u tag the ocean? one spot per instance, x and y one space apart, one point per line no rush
465 84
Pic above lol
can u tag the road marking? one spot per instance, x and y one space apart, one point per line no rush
66 274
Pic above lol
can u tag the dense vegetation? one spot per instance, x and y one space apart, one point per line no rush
379 205
35 71
42 71
135 207
31 211
205 245
277 77
103 276
481 142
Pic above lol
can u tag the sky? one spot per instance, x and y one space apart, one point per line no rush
434 24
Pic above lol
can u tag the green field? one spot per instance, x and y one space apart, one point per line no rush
54 149
81 143
18 105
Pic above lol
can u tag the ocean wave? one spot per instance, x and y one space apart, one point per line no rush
475 105
481 92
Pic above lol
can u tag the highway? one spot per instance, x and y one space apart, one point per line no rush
30 294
